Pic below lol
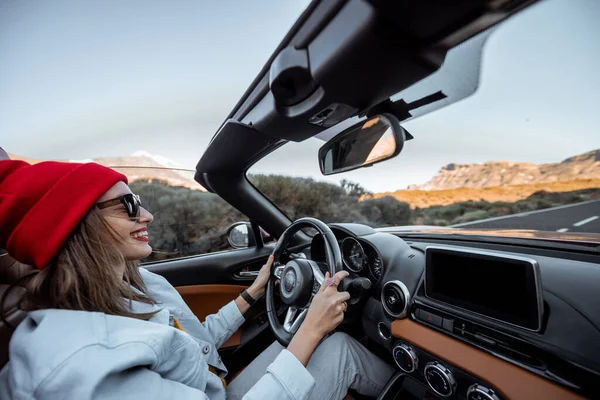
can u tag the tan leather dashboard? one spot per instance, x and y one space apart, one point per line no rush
204 300
512 381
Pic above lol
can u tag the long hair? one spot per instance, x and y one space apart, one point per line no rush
83 276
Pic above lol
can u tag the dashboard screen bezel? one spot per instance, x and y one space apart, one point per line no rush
531 263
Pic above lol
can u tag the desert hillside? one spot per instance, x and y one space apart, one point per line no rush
502 181
510 193
506 173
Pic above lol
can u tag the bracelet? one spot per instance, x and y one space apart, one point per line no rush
246 296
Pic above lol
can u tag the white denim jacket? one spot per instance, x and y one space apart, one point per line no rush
63 354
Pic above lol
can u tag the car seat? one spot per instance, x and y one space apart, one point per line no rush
10 271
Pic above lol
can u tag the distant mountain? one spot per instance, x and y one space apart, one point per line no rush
505 173
502 181
29 160
146 167
164 161
142 166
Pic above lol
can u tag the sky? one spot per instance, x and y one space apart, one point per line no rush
91 79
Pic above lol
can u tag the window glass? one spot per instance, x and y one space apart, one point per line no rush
188 220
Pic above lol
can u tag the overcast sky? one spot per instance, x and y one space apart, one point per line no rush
85 79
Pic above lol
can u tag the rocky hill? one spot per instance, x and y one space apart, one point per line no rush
508 193
506 173
502 181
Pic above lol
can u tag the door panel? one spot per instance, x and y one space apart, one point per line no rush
204 300
215 268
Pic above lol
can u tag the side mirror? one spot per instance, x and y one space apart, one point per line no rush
377 139
240 235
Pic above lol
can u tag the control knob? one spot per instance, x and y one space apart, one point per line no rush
479 392
406 358
440 379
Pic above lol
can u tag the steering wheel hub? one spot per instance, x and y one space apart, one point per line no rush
289 281
296 283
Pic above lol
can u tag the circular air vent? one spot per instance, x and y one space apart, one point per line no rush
395 298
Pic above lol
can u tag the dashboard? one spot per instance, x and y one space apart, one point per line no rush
473 320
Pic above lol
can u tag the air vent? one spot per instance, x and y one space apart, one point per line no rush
395 298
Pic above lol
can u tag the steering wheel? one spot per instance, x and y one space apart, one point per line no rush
300 279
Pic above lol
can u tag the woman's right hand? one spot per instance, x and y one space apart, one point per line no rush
325 313
327 309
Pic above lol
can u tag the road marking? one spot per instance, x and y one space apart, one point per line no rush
585 221
563 230
522 214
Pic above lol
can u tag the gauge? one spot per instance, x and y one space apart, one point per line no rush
375 265
353 255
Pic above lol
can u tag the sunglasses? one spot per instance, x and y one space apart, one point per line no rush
132 203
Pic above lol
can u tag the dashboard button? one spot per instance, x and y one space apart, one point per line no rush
448 324
430 318
418 313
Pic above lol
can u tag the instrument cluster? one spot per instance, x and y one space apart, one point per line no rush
359 256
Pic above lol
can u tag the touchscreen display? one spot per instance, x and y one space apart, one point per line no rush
498 287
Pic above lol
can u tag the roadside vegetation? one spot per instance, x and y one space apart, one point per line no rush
189 222
467 211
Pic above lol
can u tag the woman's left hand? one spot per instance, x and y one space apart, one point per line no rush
258 286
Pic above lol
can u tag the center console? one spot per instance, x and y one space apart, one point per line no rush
478 325
423 376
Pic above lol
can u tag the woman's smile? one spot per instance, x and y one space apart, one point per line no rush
140 234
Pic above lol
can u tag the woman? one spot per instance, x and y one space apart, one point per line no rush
100 327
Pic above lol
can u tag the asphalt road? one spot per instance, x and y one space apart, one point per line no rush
579 217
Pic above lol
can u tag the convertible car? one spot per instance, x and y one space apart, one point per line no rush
487 314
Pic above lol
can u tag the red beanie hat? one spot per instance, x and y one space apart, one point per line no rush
41 204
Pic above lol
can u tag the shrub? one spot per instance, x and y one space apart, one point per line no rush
471 216
386 211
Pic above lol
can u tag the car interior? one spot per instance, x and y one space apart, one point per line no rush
419 300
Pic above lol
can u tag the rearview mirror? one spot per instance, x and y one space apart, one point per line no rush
377 139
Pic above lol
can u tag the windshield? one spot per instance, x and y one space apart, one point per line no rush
521 153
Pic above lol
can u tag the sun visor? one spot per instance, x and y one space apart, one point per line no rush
234 147
349 66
